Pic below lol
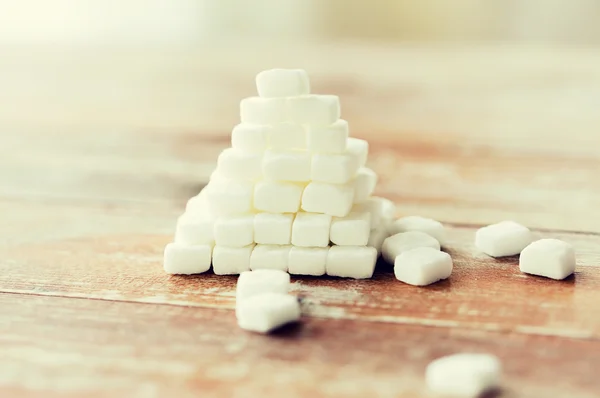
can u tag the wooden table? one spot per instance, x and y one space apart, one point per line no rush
99 152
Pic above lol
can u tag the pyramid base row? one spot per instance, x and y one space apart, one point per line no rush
343 261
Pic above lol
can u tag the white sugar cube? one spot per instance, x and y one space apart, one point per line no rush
506 238
234 231
422 266
240 165
364 184
314 110
465 375
332 168
265 312
257 110
359 148
195 229
379 208
356 262
273 229
332 199
277 197
252 283
199 205
308 260
231 260
287 136
387 207
417 223
311 230
287 166
351 230
376 238
187 260
282 83
270 257
405 241
551 258
229 197
250 137
328 139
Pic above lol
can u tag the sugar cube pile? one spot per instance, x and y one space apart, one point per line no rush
292 193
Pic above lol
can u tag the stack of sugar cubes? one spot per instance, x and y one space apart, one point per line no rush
292 193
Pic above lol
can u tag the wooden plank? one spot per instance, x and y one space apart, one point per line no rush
61 347
119 257
441 180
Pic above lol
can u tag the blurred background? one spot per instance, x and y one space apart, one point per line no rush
459 87
190 22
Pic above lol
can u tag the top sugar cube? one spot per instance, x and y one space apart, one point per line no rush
282 83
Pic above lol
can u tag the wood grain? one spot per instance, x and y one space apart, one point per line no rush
92 180
482 292
147 350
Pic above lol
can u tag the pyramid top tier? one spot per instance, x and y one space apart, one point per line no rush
284 96
277 83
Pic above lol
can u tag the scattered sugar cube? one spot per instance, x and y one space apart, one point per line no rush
270 257
551 258
287 136
187 260
287 166
314 110
332 199
228 197
364 184
234 231
359 148
405 241
252 283
351 230
277 197
250 137
356 262
422 266
195 229
257 110
231 260
376 238
236 164
328 139
308 260
311 230
332 168
417 223
505 238
465 375
282 83
264 312
273 229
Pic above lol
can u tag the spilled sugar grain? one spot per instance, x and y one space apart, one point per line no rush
326 301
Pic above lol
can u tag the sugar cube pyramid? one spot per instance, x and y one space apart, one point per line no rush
292 186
